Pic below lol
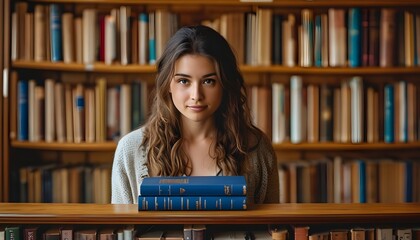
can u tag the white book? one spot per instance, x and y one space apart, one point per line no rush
49 110
307 38
296 134
14 47
110 41
278 113
89 36
357 103
68 37
337 37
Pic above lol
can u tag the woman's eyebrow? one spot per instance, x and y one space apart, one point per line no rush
186 75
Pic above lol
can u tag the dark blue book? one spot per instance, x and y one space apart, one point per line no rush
22 110
389 113
55 29
193 186
362 181
186 203
408 181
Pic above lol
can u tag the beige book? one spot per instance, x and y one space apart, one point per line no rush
264 36
40 36
49 110
90 120
31 110
47 34
14 37
39 123
60 115
89 36
110 39
78 39
345 112
29 37
68 37
100 110
125 109
337 37
69 112
125 12
79 113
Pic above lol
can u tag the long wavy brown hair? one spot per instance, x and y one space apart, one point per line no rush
236 135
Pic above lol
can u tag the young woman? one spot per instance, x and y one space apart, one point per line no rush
200 124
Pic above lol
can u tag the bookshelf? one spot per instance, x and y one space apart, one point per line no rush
377 214
17 153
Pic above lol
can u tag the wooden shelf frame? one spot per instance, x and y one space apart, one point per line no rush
21 213
280 3
274 69
111 146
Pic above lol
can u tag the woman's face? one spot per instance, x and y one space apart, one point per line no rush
195 88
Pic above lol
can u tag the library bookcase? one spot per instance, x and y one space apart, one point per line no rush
18 154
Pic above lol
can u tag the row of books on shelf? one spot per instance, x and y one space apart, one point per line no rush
68 112
338 37
53 183
355 111
203 232
193 193
342 180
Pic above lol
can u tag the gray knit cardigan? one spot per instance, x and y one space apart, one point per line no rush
129 168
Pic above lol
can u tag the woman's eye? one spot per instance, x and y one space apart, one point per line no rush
209 81
183 81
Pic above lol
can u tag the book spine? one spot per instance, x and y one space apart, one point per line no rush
56 39
192 203
389 114
354 49
192 190
23 134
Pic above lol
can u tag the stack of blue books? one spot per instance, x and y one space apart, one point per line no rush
193 193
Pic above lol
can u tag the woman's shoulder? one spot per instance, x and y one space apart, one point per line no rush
259 141
132 140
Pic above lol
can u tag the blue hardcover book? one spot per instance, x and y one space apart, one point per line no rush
23 110
408 181
389 113
193 186
55 28
354 47
318 42
362 181
187 203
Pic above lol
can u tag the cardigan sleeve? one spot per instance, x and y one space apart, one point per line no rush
121 192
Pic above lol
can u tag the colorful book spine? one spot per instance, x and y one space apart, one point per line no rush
354 36
23 134
389 114
193 186
185 203
56 39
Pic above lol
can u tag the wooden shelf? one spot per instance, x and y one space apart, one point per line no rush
282 3
103 68
56 146
259 214
110 146
346 146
